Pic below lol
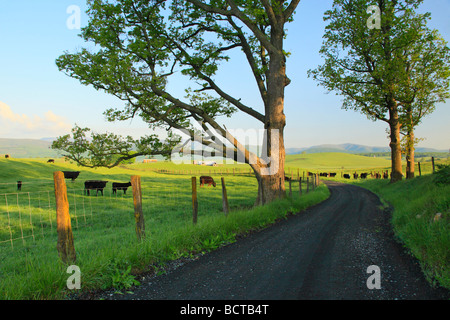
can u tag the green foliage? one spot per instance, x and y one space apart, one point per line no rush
108 149
122 278
416 203
442 174
140 45
403 59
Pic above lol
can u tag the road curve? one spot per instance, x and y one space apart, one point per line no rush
321 253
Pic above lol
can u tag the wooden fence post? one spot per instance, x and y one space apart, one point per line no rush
307 184
420 171
194 200
65 245
432 162
226 209
299 186
137 200
290 188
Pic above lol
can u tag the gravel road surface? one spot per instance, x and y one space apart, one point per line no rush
322 253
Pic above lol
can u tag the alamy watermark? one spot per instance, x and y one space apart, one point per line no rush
74 281
73 22
374 281
259 145
374 21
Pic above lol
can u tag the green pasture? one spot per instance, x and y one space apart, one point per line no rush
108 252
104 228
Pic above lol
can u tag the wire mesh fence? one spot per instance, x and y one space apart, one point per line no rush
27 217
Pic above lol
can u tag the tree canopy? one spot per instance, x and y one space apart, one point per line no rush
387 70
139 45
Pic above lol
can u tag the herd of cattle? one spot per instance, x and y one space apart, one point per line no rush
96 185
99 185
364 175
355 175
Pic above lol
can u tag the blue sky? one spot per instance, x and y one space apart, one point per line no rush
36 100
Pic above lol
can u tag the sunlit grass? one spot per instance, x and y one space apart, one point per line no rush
104 227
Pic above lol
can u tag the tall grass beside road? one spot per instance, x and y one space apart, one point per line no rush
421 220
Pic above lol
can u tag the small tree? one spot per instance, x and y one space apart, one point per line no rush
141 45
367 63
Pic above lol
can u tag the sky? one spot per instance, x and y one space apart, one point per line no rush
38 101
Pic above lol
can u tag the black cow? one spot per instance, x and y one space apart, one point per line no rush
364 175
346 176
332 174
207 180
120 186
97 185
385 175
51 161
71 174
19 185
355 176
323 174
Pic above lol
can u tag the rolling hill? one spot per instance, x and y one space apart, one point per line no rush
26 148
332 160
350 148
40 148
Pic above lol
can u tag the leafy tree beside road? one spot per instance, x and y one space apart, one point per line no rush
394 70
142 44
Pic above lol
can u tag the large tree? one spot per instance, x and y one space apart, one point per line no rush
369 63
141 44
426 65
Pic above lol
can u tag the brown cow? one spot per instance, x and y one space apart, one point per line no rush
207 180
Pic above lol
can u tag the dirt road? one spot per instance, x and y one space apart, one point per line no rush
321 253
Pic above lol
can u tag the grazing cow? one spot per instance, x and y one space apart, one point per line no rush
346 176
332 174
310 174
51 161
71 174
19 185
323 174
120 186
364 175
207 180
355 176
97 185
385 175
6 156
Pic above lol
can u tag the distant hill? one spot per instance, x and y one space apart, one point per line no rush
349 148
26 148
40 148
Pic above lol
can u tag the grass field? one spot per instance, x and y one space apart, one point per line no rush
103 226
105 240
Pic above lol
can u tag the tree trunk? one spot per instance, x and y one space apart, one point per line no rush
396 151
271 176
410 149
270 188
